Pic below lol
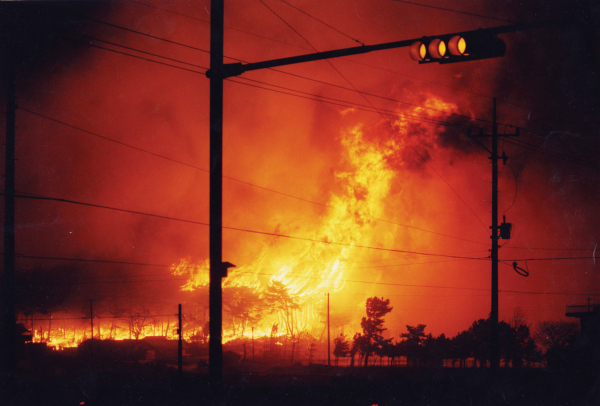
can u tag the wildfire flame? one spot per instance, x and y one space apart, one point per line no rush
317 268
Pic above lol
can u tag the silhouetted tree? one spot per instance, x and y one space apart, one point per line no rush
138 317
372 326
555 334
244 305
514 341
356 343
279 300
436 349
341 348
480 332
557 339
412 344
461 347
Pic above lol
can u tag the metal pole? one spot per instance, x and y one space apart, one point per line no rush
328 338
215 366
9 320
180 346
92 322
495 342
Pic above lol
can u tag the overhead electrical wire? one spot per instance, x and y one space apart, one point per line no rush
323 22
271 69
454 11
552 154
320 98
348 103
276 70
38 197
343 58
369 102
552 249
138 57
235 272
149 35
231 178
315 97
208 22
139 50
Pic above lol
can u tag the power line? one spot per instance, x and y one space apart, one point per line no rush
548 259
370 107
208 22
455 11
272 69
38 197
138 57
126 316
346 59
235 272
139 50
369 102
322 22
150 35
231 178
550 249
552 154
319 98
277 70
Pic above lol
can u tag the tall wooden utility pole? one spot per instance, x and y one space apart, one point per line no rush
494 333
495 339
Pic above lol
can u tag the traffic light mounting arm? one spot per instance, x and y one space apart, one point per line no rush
236 69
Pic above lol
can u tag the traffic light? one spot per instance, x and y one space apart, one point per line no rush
457 48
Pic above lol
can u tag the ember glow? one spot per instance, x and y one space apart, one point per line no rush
326 190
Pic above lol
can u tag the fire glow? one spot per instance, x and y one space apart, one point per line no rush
302 273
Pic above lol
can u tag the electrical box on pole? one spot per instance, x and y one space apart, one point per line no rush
505 229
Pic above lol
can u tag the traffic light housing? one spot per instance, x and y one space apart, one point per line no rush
457 48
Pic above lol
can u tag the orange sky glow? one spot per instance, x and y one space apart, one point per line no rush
381 191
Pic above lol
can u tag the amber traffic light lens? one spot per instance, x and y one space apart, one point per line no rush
437 48
457 45
418 51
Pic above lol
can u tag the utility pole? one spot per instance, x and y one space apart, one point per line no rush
494 333
252 344
9 324
215 344
180 346
328 338
92 321
495 339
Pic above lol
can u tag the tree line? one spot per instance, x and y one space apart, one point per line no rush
517 345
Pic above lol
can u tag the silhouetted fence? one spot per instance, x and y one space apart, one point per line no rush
402 362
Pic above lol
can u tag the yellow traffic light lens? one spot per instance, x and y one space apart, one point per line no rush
457 45
437 48
418 51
